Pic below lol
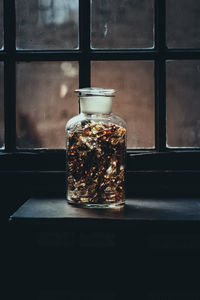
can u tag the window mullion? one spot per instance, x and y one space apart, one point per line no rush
160 75
9 76
84 43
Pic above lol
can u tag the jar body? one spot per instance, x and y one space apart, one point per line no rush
96 150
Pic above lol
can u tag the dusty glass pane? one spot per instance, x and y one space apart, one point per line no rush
122 23
1 106
183 103
1 24
183 23
47 24
45 102
134 101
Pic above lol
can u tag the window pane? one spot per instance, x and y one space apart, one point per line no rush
47 24
134 101
183 103
1 106
45 102
183 23
1 24
122 23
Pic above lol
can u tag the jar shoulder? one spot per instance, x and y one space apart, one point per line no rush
106 119
74 121
118 121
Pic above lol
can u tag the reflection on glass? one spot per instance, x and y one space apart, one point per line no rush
183 105
1 24
47 24
1 107
122 24
183 23
134 101
45 102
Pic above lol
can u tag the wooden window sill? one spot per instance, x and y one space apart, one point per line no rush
55 210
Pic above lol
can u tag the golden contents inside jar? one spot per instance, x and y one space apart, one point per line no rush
96 163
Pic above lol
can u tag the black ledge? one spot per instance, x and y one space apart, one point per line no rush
148 212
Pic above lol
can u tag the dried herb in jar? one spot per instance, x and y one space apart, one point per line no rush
96 162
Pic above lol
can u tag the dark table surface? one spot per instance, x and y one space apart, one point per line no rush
135 210
158 240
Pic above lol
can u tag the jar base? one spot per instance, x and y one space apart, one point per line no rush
97 205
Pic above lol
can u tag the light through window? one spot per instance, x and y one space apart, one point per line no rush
61 45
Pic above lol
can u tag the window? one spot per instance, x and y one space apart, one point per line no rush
148 50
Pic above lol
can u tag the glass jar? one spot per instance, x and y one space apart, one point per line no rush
96 149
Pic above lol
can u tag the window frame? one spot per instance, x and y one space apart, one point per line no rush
143 163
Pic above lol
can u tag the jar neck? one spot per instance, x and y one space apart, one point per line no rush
96 105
